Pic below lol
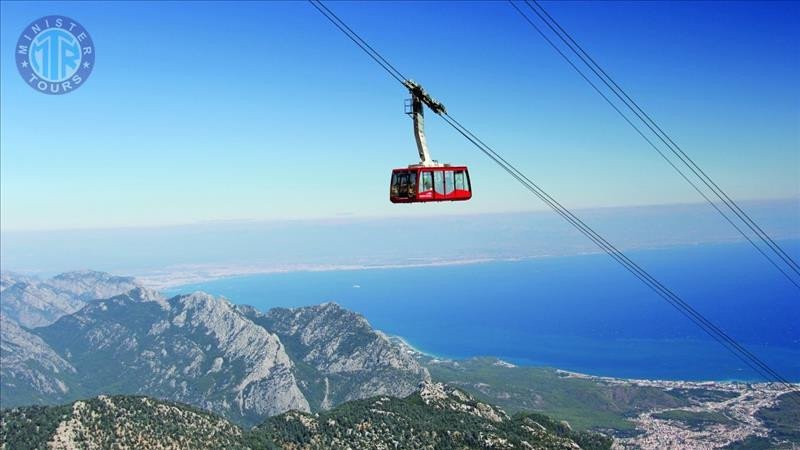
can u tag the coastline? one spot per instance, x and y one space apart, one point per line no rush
368 302
188 275
176 276
501 362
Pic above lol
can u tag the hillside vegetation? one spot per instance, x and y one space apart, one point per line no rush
585 403
437 416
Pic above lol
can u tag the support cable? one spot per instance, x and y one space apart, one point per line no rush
656 130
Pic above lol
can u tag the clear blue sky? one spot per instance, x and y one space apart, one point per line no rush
225 111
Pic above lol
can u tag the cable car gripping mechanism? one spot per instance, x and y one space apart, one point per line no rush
417 111
418 92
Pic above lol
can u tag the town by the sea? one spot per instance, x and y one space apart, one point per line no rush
580 313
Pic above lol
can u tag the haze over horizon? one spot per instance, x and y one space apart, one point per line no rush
258 246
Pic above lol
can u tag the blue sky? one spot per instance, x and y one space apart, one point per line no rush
231 111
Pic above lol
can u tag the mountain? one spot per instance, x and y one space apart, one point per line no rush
195 349
437 416
36 303
31 371
116 422
89 285
339 356
203 351
33 304
8 279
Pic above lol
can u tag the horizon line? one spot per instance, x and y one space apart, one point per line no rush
359 218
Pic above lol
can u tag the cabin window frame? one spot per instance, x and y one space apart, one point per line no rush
422 176
449 188
438 189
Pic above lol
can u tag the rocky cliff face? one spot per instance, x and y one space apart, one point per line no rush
30 370
340 357
34 303
8 279
196 349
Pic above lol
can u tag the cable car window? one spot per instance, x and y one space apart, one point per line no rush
448 182
402 180
427 182
461 181
438 182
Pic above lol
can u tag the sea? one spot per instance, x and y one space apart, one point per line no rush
582 313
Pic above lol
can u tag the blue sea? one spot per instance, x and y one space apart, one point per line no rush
581 313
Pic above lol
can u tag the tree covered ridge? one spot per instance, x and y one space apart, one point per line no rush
449 419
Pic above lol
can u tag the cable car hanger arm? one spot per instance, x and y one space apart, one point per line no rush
420 98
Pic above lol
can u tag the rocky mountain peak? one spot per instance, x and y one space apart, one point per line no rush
36 303
194 348
85 275
343 357
144 294
442 396
8 279
91 284
330 306
438 416
139 295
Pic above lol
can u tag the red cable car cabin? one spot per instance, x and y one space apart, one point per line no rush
430 184
428 181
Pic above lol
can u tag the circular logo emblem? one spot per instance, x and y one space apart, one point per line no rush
55 55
